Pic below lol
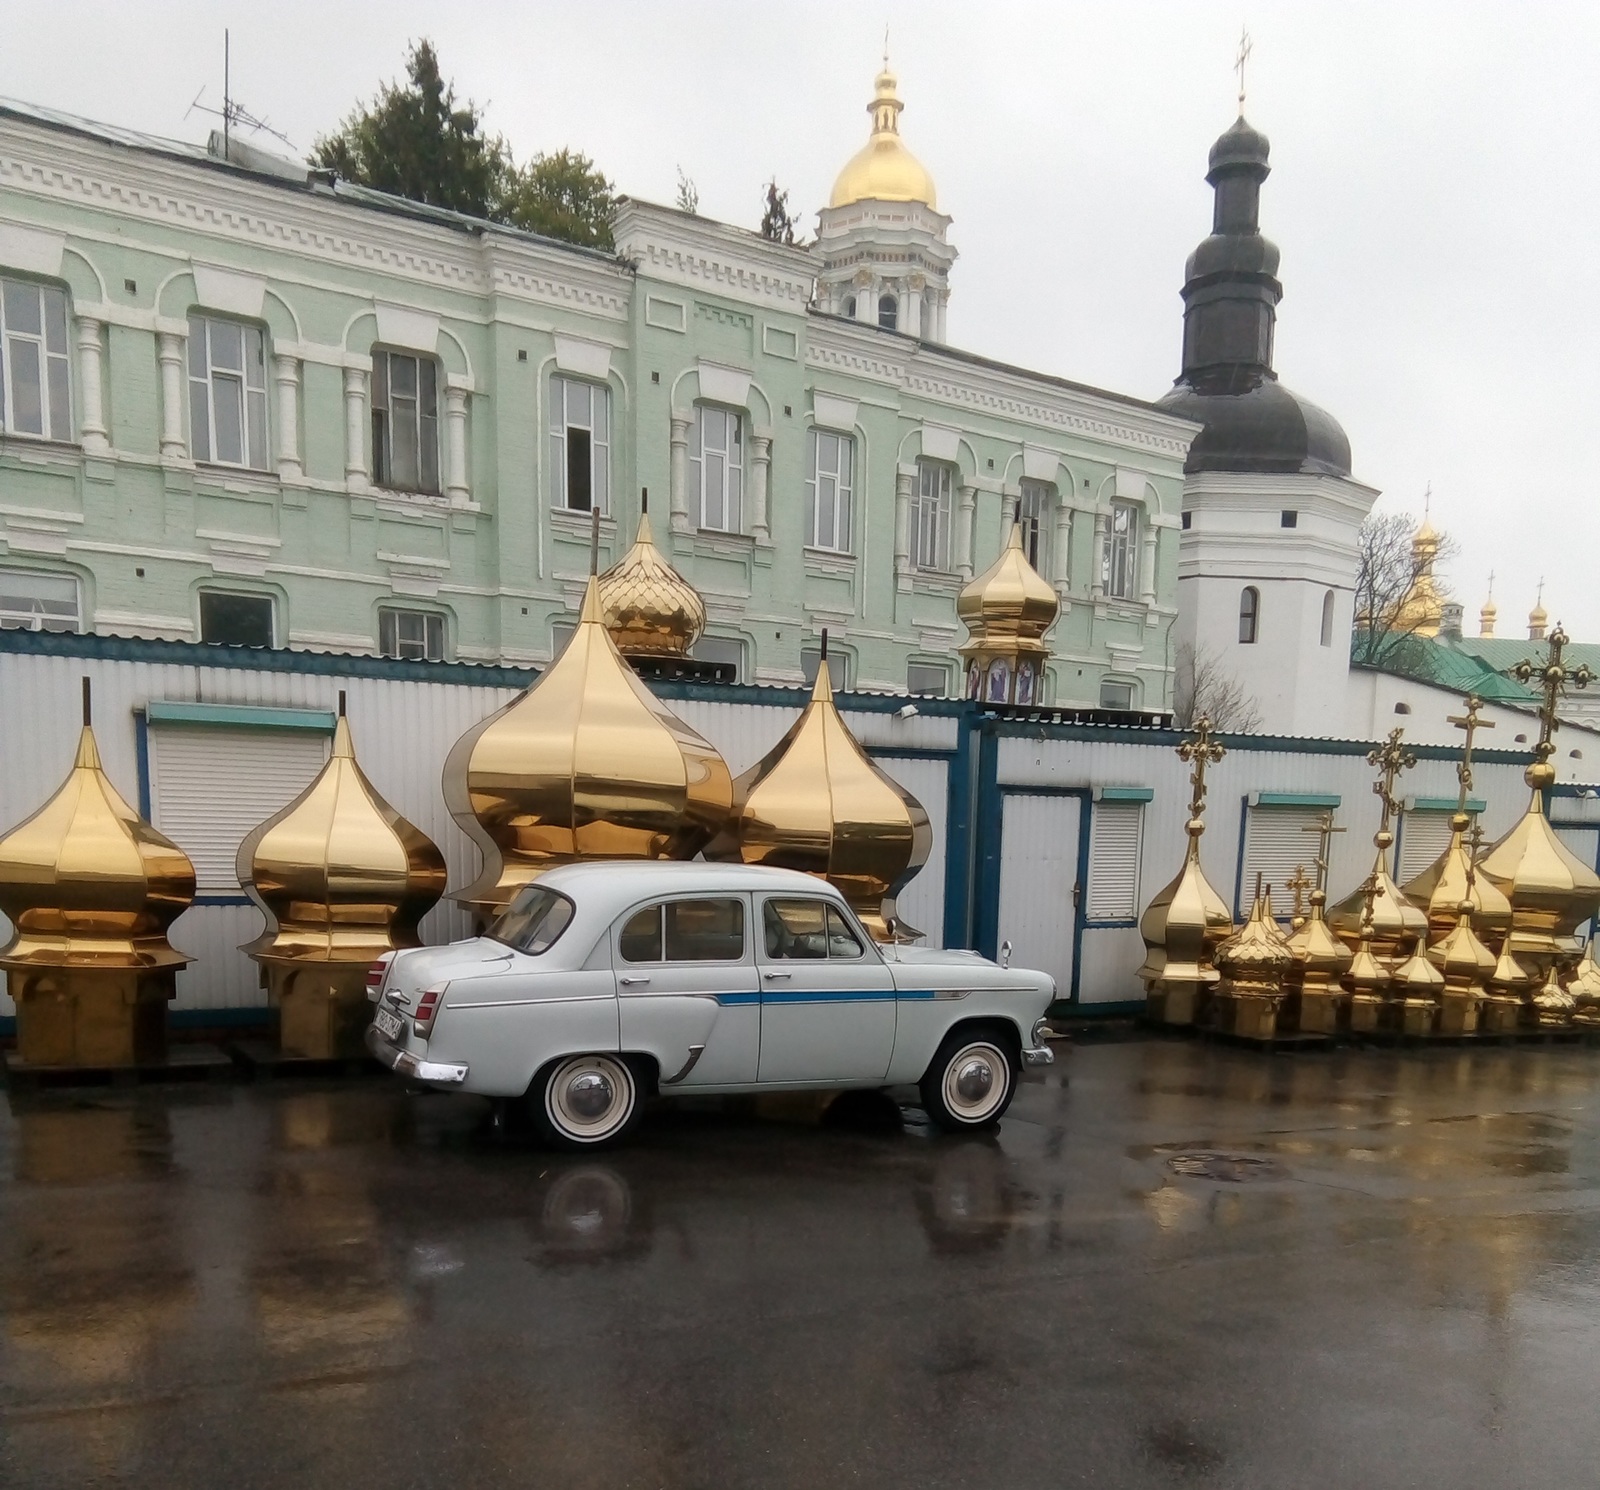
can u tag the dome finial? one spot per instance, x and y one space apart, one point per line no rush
1245 48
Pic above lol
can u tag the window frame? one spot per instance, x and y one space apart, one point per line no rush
271 602
381 413
599 445
54 370
1119 565
942 668
842 500
34 619
839 666
1133 694
1035 525
888 312
830 914
1329 604
390 616
204 373
627 918
700 463
1249 616
930 516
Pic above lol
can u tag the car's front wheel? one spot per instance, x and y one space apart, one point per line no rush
584 1101
970 1082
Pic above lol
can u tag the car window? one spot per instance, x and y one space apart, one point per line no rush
796 928
843 944
684 931
533 921
704 930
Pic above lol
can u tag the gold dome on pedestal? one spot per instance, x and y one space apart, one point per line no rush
1007 610
339 874
648 607
817 802
1584 986
1254 962
1465 964
586 763
883 170
1185 923
88 883
1443 885
1395 922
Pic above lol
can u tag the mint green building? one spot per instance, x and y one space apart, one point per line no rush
244 403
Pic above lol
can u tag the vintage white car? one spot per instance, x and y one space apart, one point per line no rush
605 984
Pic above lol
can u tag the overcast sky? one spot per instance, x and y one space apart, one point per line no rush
1434 188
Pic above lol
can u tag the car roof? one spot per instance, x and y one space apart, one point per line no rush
621 882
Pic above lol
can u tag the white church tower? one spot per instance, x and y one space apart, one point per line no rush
1268 549
881 237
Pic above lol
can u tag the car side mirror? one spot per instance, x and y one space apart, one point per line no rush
1005 954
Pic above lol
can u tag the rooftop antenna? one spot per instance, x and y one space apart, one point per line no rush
232 111
1245 48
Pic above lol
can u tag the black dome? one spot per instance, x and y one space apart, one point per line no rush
1264 428
1241 144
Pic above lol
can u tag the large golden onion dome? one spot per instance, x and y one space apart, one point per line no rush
1185 923
339 874
586 763
1394 923
1442 887
1007 610
88 883
649 608
817 802
883 170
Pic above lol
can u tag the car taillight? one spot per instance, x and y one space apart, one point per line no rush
427 1010
375 975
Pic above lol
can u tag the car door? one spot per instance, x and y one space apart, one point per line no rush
827 1000
677 960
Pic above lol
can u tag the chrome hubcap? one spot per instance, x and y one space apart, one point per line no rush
977 1082
589 1096
973 1080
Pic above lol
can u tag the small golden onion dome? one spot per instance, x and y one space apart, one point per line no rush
1366 977
1538 622
1553 1004
1395 924
88 883
1462 959
1584 986
1321 959
1510 978
1009 601
338 873
883 170
1256 958
649 608
1552 892
1185 923
1442 887
585 763
1488 616
817 802
1417 977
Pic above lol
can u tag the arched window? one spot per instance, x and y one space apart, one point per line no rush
888 312
850 306
1327 619
1249 613
405 421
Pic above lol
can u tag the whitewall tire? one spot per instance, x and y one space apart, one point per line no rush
970 1082
585 1101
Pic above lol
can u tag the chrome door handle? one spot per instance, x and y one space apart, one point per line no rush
777 975
629 982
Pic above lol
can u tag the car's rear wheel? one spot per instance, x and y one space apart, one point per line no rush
970 1082
584 1101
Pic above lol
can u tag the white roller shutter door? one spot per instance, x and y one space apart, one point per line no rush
1277 841
209 786
1116 837
1424 835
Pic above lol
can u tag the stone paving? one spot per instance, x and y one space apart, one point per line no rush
1174 1265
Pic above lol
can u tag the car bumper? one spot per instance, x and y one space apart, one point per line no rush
443 1073
1038 1056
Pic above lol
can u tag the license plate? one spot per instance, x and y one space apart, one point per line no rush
388 1024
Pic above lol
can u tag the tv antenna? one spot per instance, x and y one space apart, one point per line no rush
232 111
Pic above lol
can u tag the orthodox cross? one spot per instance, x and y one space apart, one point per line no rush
1325 830
1553 679
1391 758
1297 884
1471 724
1201 749
1474 853
1239 62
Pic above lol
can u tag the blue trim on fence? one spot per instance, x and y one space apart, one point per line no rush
1124 794
1080 914
959 798
199 1019
1238 865
985 890
1295 799
141 755
911 752
240 716
1443 804
8 1026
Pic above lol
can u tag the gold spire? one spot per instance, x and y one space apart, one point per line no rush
1538 617
1185 922
1490 612
649 608
339 874
1384 916
817 802
87 882
1320 958
585 763
883 170
1007 610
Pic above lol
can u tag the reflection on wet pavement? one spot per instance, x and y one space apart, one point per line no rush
1186 1266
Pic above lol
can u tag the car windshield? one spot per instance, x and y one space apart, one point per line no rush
534 921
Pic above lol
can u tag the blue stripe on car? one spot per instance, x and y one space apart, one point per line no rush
829 996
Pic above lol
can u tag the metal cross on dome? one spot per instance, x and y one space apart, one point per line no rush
1553 678
1469 722
1325 830
1297 884
1391 758
1200 749
1245 48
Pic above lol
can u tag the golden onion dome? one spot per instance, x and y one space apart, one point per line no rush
585 763
1462 959
88 883
338 873
1584 986
1395 921
1185 923
1320 957
1417 977
649 608
1553 1005
817 802
1010 600
883 170
1442 887
1366 976
1256 957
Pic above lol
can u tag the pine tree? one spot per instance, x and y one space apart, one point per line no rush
776 222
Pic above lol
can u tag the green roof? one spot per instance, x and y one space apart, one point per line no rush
1503 653
1446 665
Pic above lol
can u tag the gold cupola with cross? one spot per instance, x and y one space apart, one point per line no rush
1379 912
648 607
1007 610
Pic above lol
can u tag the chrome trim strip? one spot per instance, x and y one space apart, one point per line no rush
587 998
396 1059
695 1052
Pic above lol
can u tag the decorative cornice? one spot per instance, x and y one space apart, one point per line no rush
682 249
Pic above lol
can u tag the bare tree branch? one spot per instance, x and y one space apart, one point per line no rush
1202 685
1386 570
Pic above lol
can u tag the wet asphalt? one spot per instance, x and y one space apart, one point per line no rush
1173 1265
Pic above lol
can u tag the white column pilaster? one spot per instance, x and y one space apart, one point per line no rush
286 373
902 519
91 386
171 351
911 311
867 302
455 418
1097 586
966 511
1061 555
760 474
355 428
679 494
1147 564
